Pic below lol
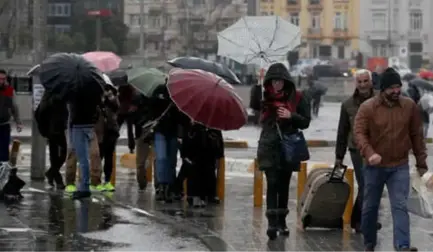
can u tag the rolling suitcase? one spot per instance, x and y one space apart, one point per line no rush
324 198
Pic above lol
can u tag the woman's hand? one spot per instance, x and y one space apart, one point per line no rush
284 113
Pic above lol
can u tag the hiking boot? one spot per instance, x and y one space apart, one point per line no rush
70 189
109 187
81 195
142 185
281 222
272 224
160 193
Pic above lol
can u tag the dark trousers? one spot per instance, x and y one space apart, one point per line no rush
201 180
129 128
106 150
357 162
5 139
58 149
316 105
277 194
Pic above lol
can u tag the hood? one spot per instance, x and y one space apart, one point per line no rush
279 71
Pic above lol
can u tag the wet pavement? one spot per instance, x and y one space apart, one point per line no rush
131 220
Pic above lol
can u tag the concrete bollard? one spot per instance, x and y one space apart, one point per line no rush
302 179
150 166
221 178
349 207
258 185
113 172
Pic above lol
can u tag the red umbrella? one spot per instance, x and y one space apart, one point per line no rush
207 99
105 61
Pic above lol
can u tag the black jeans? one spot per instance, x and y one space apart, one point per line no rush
357 162
106 151
129 129
201 180
58 149
277 194
316 105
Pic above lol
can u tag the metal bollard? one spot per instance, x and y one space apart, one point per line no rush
349 206
113 172
258 185
302 179
221 178
150 166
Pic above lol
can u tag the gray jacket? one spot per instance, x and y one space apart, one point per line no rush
8 106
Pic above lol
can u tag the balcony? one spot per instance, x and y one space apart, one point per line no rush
341 33
293 6
315 5
414 34
314 33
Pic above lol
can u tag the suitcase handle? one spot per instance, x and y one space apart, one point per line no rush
333 177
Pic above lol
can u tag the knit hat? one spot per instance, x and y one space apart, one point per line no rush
389 77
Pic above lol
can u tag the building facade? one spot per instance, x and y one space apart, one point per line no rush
182 27
398 28
330 28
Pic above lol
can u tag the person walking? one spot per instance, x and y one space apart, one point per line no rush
386 128
83 111
349 108
52 118
287 107
8 108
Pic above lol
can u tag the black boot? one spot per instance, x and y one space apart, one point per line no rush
50 177
272 224
160 193
168 195
59 181
281 224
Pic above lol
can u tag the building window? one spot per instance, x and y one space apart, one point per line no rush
294 18
380 50
341 52
134 19
315 21
62 28
379 22
340 21
59 10
416 20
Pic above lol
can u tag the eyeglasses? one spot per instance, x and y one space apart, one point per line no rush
363 81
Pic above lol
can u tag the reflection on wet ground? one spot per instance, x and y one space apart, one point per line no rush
132 220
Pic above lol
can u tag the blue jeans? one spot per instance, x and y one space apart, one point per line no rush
166 158
80 139
397 181
5 139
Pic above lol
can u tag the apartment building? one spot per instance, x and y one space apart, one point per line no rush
330 28
398 28
179 27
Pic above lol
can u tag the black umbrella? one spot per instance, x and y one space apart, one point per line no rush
205 65
118 77
422 84
67 73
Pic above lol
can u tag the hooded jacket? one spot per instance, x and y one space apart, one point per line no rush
269 150
8 106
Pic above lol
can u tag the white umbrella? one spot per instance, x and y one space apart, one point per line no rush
258 40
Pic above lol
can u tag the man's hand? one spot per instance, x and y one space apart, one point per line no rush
19 128
283 113
374 159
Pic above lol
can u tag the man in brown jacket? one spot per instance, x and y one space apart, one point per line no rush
386 128
349 108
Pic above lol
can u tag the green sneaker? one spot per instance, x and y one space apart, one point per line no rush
70 188
98 188
109 187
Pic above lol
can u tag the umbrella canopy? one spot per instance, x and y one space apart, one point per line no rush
118 77
422 84
206 65
258 40
206 98
409 77
105 61
146 80
65 73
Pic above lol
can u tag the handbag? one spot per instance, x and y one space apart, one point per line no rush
294 146
418 202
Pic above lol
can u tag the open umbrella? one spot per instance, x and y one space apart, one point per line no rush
66 73
206 98
105 61
259 40
422 84
206 65
146 80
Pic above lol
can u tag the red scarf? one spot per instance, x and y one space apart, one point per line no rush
279 100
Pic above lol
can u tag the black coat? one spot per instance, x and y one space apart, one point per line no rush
51 116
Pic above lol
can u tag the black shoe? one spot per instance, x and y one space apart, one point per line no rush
59 181
168 195
50 177
281 224
272 233
214 200
272 224
81 195
369 249
408 249
142 185
160 193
